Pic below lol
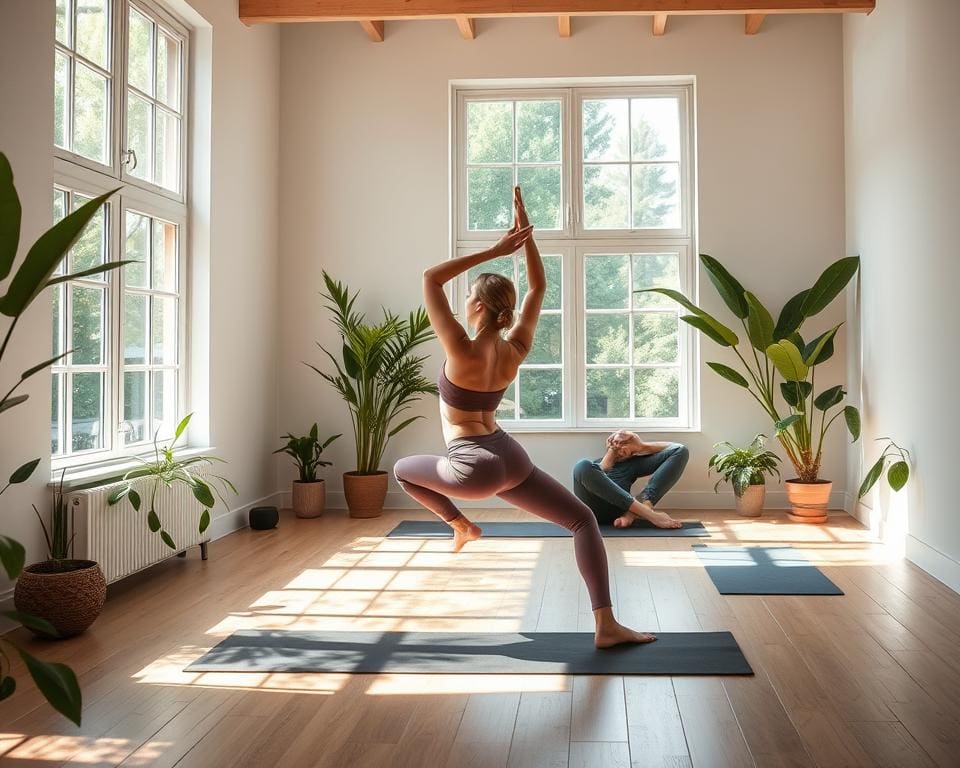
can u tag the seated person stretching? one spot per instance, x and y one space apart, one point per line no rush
604 485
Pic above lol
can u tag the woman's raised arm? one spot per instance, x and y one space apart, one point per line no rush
521 335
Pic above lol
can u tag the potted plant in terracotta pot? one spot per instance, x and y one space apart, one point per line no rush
802 416
309 492
379 377
744 469
67 593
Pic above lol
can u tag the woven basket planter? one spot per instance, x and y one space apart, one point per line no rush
68 593
365 493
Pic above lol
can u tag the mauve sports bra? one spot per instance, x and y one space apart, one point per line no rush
467 399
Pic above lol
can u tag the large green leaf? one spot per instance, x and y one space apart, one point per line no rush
168 539
201 492
34 623
788 422
788 360
795 393
182 426
726 284
153 521
821 348
10 215
704 327
40 366
12 402
791 317
730 374
720 330
828 286
872 476
829 398
204 521
42 259
852 416
898 474
351 362
7 687
23 473
12 555
58 685
759 323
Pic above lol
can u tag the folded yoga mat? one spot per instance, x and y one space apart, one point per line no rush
470 653
763 571
437 529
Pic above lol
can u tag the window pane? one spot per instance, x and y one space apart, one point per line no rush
55 400
608 393
139 123
92 37
657 392
506 409
140 52
608 339
164 402
63 21
57 301
137 247
606 130
548 341
135 407
90 248
134 329
655 125
541 394
655 338
606 197
538 131
87 311
656 196
541 195
167 138
59 211
87 411
164 331
490 132
61 66
90 113
490 198
164 257
552 266
168 71
607 280
655 270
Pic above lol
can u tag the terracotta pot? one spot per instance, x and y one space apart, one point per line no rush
751 503
808 501
68 593
365 493
309 499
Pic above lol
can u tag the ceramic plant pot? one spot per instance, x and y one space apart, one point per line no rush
309 499
808 501
751 503
67 593
365 493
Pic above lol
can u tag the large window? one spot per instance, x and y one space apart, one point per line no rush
608 179
120 115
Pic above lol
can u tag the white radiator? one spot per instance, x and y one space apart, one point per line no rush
118 537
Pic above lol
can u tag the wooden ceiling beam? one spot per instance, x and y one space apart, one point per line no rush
563 26
659 24
468 29
753 22
374 30
266 11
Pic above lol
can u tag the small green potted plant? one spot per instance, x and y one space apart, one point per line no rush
67 593
899 468
309 492
744 469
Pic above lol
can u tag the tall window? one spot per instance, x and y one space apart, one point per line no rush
607 176
120 116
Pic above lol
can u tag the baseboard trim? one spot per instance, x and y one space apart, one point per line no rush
938 564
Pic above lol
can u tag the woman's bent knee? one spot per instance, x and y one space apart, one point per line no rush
583 467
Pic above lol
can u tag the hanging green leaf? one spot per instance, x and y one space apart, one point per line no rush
759 323
829 398
730 374
828 286
785 424
134 499
24 472
821 348
202 493
726 284
12 555
204 521
729 337
788 361
11 402
117 494
852 416
872 476
791 317
58 685
167 539
795 393
708 330
898 474
10 217
153 521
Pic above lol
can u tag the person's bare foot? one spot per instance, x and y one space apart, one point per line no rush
641 511
464 531
617 634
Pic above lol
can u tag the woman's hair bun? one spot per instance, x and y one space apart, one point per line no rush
505 318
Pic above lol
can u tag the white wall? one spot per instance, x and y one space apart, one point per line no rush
364 147
902 105
236 227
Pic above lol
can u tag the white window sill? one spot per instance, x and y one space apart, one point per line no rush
523 429
104 472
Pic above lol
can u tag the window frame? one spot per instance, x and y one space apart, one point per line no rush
575 241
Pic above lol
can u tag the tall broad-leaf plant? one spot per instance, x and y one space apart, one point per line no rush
377 373
801 414
56 682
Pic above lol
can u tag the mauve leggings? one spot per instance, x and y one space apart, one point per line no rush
497 465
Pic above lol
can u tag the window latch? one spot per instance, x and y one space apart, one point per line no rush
131 156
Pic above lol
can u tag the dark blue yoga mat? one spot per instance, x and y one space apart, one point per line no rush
471 653
763 571
437 529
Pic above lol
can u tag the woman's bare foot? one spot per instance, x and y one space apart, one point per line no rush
464 531
641 511
613 634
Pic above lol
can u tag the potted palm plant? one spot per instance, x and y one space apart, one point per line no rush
66 592
309 492
379 378
778 349
744 469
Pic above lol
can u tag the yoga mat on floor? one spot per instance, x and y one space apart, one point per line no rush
437 529
763 571
471 653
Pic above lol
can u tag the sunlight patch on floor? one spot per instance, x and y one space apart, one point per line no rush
83 750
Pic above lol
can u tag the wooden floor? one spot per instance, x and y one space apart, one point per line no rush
868 679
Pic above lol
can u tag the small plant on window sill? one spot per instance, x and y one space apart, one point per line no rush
166 470
898 473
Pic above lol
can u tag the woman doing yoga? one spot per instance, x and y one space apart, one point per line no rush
482 460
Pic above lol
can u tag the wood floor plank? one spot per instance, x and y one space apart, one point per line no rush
485 731
654 728
541 736
599 709
599 754
713 734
